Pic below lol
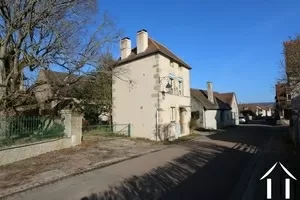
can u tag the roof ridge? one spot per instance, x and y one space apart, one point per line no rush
227 93
155 43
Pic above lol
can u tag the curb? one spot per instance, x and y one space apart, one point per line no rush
103 164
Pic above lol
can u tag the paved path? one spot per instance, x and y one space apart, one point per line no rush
224 166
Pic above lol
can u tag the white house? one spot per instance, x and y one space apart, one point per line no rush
153 94
214 110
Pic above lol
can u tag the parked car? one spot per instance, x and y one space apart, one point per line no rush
242 120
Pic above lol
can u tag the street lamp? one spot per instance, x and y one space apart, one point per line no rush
168 86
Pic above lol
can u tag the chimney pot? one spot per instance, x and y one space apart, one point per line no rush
125 47
210 94
142 41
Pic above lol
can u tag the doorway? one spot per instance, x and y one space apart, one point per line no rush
182 119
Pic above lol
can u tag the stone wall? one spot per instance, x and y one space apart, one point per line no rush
73 133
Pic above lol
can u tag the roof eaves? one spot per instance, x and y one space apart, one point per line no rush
183 64
125 61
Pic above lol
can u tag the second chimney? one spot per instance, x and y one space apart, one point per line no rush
142 41
125 48
210 94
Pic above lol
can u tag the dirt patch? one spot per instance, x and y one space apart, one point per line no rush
68 161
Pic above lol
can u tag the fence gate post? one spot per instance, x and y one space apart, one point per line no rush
76 123
67 122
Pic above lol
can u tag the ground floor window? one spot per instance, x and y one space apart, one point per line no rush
173 114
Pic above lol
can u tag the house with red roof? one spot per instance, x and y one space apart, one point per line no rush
151 90
213 110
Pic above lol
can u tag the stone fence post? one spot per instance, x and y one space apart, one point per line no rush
73 125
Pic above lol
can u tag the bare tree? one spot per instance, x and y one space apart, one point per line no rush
97 99
38 34
290 69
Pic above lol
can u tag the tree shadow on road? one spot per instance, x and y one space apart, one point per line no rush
207 171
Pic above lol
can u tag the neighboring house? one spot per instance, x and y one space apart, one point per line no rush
53 87
214 110
155 99
231 99
283 108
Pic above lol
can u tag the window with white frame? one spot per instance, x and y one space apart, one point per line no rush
173 114
180 87
172 83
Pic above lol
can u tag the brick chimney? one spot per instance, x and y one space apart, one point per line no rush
142 41
210 94
125 47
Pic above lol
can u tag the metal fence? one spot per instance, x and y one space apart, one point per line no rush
19 130
107 130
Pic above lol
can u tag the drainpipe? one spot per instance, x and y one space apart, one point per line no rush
157 111
157 123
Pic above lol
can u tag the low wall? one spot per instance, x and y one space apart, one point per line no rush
18 153
73 125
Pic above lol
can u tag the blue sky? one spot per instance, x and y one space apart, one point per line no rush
235 44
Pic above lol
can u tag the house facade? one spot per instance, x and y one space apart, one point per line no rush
213 110
231 99
154 93
283 108
52 87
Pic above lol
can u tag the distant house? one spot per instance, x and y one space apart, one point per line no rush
214 110
256 109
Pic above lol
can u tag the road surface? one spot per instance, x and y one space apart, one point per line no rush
227 165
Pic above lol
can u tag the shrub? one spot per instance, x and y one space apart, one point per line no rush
56 130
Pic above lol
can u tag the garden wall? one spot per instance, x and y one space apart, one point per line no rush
73 134
17 153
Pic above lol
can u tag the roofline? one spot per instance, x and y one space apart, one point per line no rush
204 105
120 62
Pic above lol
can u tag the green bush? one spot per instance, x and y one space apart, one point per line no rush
56 130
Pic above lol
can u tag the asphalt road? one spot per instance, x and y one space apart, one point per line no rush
226 165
